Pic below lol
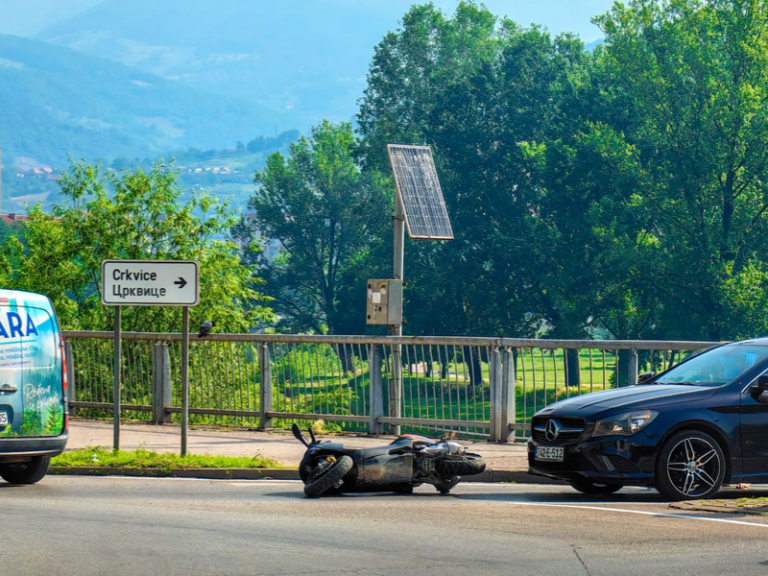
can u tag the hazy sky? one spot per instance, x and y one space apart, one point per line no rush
28 17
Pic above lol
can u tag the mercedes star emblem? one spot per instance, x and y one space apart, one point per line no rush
552 431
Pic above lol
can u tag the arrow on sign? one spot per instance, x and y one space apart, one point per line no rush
180 282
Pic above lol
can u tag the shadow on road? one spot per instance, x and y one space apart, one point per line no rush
566 496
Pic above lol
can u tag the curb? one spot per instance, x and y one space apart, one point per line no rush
489 476
702 507
209 473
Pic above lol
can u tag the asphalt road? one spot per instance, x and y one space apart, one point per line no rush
96 526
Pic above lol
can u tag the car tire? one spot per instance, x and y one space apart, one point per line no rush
587 487
26 472
690 466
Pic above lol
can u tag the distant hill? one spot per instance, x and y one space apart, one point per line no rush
306 58
56 101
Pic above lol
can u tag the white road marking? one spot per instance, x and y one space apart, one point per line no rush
643 512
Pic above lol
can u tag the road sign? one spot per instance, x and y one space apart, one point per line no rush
150 283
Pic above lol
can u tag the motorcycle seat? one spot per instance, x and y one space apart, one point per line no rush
411 441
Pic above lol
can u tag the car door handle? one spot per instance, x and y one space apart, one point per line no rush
8 388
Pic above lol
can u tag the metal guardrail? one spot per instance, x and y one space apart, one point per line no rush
480 386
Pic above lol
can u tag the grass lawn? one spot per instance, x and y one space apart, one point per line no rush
98 457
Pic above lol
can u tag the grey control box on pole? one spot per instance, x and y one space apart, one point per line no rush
385 302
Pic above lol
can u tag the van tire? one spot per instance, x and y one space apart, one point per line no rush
26 473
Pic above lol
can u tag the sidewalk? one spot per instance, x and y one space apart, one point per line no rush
508 462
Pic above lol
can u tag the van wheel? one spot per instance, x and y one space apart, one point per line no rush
27 472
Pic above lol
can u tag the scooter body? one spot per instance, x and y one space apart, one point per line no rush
410 460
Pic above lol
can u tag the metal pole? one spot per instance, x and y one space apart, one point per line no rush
508 391
184 380
396 397
633 368
266 403
375 390
497 424
116 384
399 245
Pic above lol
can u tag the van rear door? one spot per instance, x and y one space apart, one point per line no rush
42 374
11 375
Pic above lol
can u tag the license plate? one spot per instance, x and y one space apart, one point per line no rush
549 453
3 418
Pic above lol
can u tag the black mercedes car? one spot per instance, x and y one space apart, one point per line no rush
685 431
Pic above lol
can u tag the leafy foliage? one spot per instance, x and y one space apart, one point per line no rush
614 192
130 215
324 212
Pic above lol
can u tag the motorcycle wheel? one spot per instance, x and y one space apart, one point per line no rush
460 465
316 486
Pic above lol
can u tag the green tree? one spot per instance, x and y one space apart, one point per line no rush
477 90
325 214
690 78
131 215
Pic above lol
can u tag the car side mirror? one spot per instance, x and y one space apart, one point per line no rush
760 385
645 376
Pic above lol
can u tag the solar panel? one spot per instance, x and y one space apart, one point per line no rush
420 192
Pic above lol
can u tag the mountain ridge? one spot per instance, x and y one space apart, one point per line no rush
55 101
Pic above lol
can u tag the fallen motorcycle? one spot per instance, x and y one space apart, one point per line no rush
409 461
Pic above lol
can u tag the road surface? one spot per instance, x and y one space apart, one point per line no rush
124 526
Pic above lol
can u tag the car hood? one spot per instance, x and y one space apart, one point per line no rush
631 397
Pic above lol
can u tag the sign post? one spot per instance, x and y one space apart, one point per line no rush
116 384
151 283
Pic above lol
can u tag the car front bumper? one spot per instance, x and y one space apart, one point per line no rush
617 460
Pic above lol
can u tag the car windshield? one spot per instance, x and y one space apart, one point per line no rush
716 367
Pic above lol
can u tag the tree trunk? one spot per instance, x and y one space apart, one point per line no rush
472 360
572 368
345 357
622 368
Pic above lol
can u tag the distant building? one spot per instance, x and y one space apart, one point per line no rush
12 218
45 172
272 249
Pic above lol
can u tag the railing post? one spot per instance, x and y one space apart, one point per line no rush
70 376
161 384
376 391
396 389
508 391
495 374
265 388
632 370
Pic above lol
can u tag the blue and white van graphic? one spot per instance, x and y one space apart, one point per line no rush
31 367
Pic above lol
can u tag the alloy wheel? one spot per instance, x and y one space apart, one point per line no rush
694 466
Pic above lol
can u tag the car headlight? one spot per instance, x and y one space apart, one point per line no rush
624 424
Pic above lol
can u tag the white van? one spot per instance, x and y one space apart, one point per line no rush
34 415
